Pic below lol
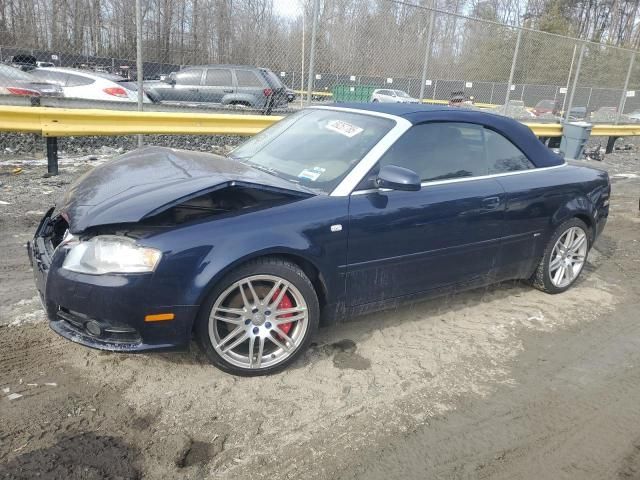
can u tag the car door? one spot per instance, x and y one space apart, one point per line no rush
251 87
386 96
186 87
531 200
218 82
445 235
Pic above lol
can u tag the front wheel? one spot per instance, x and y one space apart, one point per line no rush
564 257
259 318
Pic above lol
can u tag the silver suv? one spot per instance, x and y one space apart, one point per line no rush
240 85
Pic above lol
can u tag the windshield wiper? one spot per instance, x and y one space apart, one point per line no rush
262 168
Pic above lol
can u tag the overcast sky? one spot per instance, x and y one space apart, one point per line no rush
288 8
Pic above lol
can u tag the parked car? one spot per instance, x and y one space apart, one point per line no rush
90 85
604 114
23 62
578 113
238 85
514 109
457 98
545 107
635 115
385 95
329 213
17 82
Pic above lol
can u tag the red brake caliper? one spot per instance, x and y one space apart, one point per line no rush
284 303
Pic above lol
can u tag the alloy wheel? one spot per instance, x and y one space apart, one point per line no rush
568 257
258 322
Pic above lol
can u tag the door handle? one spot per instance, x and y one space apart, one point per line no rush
193 89
228 91
491 202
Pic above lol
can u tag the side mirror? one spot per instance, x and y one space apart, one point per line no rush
171 79
398 178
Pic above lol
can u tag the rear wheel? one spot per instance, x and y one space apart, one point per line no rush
564 257
259 318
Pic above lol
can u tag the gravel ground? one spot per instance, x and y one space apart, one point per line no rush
503 382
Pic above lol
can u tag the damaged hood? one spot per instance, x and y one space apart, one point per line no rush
147 181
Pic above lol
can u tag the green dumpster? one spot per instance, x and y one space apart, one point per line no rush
352 93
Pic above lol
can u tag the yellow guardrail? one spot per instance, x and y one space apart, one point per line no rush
545 129
315 94
67 122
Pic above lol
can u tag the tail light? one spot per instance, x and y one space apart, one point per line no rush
267 92
116 92
23 91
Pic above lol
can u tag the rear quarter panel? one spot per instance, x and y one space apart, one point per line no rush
539 201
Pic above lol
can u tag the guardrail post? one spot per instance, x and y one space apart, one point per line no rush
427 53
513 70
52 156
611 144
623 97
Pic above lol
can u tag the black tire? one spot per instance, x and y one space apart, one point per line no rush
375 100
263 266
541 278
153 96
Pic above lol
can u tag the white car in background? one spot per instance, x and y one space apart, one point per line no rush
385 95
90 85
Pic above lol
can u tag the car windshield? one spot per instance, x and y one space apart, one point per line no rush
400 93
545 104
7 72
315 148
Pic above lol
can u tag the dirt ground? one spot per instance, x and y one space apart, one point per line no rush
504 382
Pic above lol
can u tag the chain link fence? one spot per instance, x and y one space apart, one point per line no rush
243 56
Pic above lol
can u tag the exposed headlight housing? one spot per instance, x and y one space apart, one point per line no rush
111 254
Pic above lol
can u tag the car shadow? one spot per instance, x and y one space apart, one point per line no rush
329 339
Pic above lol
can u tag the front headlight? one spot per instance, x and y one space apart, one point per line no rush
111 254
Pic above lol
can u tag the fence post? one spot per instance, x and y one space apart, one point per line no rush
312 52
574 84
564 98
302 64
623 97
139 68
427 53
512 72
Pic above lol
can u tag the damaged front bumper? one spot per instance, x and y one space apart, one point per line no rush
106 312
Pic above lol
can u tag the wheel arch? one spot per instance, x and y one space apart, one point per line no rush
580 208
308 266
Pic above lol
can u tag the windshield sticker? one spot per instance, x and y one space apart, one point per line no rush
311 174
344 128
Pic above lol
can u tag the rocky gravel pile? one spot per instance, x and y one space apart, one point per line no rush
18 144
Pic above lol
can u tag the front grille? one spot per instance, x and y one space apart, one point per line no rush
108 332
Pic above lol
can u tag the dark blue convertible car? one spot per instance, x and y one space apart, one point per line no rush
333 211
